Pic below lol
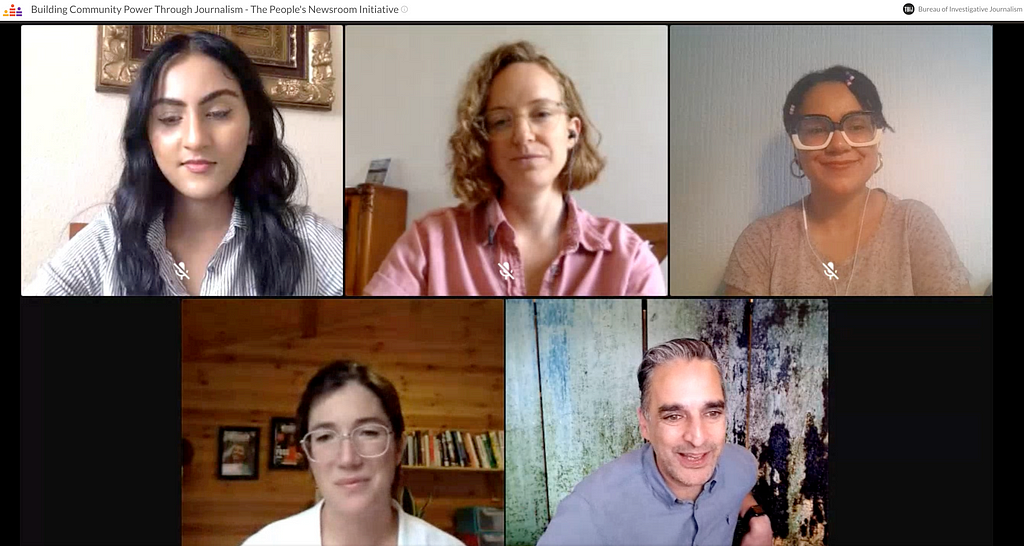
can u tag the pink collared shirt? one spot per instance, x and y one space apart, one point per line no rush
458 251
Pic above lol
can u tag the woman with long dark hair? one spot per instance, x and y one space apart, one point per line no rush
203 206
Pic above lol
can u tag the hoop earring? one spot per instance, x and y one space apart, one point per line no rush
879 167
797 165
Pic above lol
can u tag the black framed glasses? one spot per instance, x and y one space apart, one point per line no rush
815 132
371 440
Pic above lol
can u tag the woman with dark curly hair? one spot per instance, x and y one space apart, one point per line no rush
203 206
522 143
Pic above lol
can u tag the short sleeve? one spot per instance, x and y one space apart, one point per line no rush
749 267
77 268
748 469
403 271
326 244
935 267
573 524
645 278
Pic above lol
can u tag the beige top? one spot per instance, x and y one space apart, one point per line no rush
910 254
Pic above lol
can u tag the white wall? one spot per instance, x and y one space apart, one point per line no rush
730 155
402 86
70 154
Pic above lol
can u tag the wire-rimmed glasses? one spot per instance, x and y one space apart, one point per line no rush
370 440
499 122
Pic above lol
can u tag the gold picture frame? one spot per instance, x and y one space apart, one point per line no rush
294 61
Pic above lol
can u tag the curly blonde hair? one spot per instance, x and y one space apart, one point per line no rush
473 179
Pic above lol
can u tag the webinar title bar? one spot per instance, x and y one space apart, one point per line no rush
526 11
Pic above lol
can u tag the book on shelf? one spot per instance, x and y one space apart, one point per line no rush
452 459
455 447
431 448
424 450
490 451
442 447
481 450
467 441
463 457
498 455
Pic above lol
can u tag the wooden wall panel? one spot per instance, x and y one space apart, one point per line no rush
245 361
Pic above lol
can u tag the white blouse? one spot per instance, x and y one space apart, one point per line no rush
303 529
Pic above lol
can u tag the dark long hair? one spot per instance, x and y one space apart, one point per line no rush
263 186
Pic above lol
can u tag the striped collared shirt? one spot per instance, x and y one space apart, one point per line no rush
85 265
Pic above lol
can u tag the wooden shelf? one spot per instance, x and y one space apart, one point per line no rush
458 468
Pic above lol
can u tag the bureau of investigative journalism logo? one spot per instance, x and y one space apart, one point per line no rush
12 12
908 9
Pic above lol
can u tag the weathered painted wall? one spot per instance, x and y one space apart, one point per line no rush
788 421
588 350
527 510
571 378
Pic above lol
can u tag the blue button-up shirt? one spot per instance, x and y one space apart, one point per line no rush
627 501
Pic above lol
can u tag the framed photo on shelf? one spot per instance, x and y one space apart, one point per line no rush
378 172
239 453
285 451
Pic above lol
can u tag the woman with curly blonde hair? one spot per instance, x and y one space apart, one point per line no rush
522 143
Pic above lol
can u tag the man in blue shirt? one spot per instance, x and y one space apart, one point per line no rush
685 485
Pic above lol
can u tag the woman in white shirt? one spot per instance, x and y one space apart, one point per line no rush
351 425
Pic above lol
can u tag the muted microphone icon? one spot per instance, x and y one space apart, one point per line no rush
179 269
505 270
830 271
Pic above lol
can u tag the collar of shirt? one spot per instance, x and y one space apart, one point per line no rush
657 481
581 229
157 237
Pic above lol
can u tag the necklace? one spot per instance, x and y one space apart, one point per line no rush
807 236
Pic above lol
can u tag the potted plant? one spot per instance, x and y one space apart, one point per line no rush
409 503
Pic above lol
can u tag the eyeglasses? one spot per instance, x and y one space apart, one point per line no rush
858 129
498 123
369 441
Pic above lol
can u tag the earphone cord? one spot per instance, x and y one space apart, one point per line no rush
572 155
856 252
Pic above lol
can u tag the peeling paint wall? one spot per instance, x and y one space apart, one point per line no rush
788 421
589 350
526 505
571 379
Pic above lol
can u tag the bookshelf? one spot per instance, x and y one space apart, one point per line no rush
452 468
454 450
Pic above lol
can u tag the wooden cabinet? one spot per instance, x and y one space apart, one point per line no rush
374 219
